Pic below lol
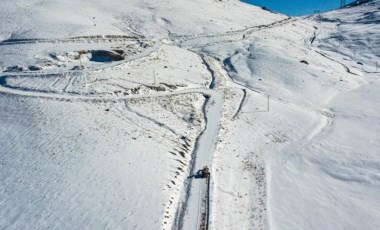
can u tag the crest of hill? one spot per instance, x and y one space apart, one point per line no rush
358 3
153 18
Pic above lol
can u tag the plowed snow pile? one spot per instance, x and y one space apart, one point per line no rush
110 109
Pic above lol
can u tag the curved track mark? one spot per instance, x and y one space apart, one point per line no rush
241 104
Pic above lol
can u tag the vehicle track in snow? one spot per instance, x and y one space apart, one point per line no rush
5 89
160 124
232 32
348 70
243 100
226 37
310 46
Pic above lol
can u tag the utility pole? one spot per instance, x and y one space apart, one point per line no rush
154 77
268 103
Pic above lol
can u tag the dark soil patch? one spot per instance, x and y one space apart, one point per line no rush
105 56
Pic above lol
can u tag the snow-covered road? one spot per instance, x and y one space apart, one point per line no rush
193 211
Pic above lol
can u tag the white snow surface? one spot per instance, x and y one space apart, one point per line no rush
109 108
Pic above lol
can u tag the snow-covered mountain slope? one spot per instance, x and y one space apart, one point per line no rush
352 33
315 154
153 18
110 109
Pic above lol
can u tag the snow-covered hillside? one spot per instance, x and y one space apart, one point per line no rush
109 110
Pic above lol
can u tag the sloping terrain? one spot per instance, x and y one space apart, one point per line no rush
109 111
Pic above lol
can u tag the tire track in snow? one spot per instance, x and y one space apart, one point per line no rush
232 32
242 34
70 83
12 90
160 124
328 57
241 104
